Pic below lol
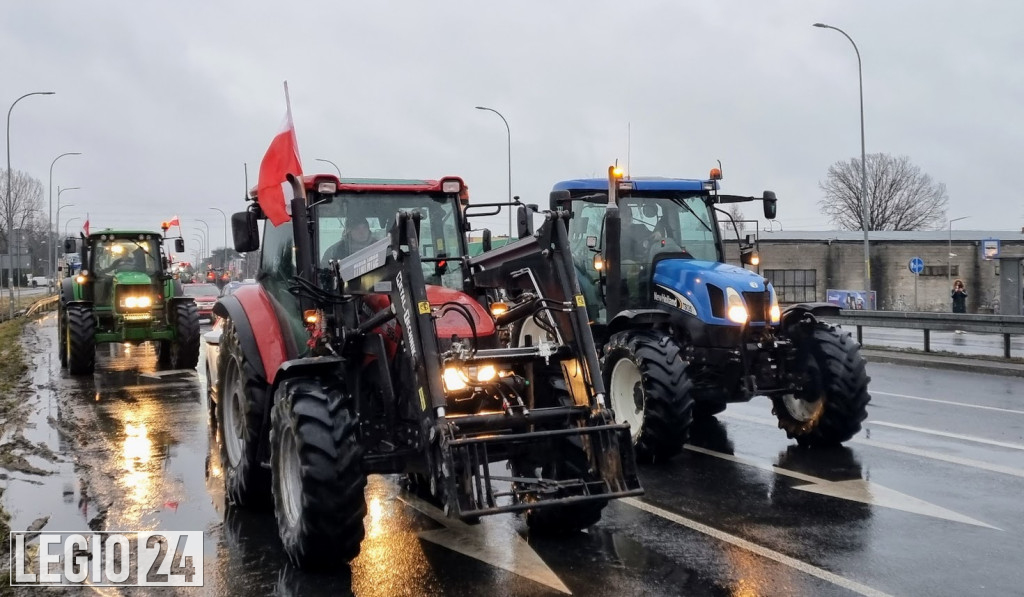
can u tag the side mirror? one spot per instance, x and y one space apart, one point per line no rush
560 200
70 246
769 205
179 245
524 220
486 241
245 232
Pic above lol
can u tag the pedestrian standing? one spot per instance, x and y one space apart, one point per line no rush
959 299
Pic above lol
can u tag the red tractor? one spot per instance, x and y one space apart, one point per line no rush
371 345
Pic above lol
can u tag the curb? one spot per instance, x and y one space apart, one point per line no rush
944 362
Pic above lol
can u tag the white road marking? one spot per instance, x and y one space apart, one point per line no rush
477 541
762 551
969 438
978 464
950 402
855 490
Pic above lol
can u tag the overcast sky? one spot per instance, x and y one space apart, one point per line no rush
167 99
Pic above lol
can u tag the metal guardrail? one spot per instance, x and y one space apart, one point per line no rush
44 304
1007 325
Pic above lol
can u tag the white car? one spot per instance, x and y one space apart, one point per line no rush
212 341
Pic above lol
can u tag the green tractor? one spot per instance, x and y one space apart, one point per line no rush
124 293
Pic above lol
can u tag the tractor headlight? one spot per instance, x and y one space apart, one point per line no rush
137 302
457 378
736 311
774 312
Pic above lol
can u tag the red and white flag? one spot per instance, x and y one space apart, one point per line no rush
174 222
85 226
281 159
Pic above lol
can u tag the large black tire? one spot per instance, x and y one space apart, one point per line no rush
184 349
648 386
79 339
318 480
832 405
241 403
568 460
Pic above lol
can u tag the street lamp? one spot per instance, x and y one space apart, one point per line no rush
865 222
198 237
949 258
52 257
509 132
60 191
68 223
224 261
57 221
331 163
7 203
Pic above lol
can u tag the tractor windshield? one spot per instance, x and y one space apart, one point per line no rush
115 255
353 221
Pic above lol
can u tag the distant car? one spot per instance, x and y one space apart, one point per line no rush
206 296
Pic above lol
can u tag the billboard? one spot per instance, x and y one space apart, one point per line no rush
852 299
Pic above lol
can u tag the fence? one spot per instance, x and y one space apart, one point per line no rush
44 304
1006 325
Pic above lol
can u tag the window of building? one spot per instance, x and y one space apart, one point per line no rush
940 270
794 285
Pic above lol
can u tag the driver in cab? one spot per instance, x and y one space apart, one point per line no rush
356 237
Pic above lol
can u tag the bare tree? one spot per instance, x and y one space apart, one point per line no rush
726 224
900 195
18 211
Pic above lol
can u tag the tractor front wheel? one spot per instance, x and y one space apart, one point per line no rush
79 341
833 402
648 388
316 465
184 349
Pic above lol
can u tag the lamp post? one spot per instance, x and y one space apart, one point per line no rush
509 132
198 237
331 163
68 223
865 222
206 237
51 253
57 222
224 261
7 203
60 192
949 254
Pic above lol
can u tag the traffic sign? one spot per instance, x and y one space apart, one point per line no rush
916 265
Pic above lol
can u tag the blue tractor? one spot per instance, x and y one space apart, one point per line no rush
684 333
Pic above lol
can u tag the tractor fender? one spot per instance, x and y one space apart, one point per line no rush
67 290
306 367
794 313
249 311
638 318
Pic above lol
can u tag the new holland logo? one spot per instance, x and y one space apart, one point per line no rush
666 298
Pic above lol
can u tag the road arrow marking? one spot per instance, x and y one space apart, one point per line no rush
856 490
489 541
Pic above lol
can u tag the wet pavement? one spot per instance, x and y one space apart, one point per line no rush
925 501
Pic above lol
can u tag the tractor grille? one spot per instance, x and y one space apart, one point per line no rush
757 305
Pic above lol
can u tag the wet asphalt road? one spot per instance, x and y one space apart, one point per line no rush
925 501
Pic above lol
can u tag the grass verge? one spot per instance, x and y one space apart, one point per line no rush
12 373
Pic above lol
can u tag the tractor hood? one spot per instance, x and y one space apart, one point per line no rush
699 288
132 278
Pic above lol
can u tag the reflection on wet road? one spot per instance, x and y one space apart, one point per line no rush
742 512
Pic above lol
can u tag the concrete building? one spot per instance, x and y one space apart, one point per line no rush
804 265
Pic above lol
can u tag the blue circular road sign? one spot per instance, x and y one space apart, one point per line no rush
916 265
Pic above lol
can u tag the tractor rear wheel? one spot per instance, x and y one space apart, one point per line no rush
316 465
62 336
184 349
79 339
833 403
241 404
648 388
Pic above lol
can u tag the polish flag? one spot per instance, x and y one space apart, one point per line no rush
174 222
85 226
281 159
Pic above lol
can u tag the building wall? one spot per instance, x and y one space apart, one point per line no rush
840 265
